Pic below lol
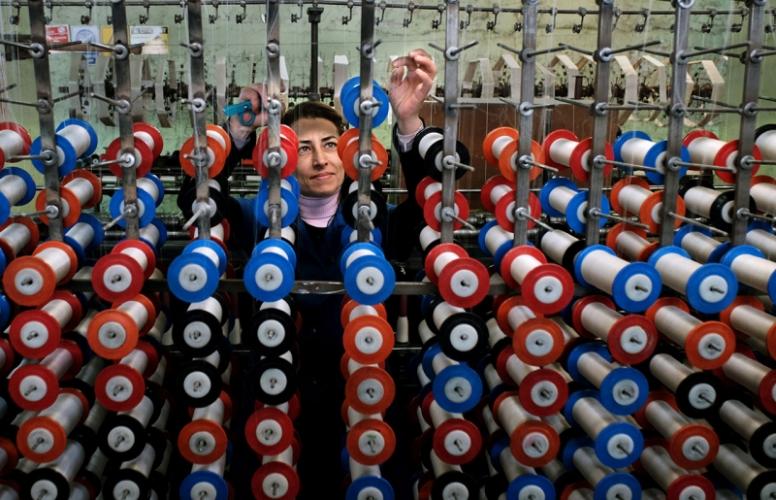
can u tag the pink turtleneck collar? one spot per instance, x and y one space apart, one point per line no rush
318 211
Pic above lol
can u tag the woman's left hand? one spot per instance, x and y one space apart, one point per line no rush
412 77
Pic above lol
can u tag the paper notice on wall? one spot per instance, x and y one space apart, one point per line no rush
57 33
86 33
155 39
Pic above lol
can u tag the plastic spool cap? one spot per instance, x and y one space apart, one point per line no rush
432 210
369 488
619 445
576 217
550 139
269 431
624 390
193 277
204 484
275 481
543 392
351 153
142 154
534 443
350 95
370 279
375 435
289 207
216 156
544 194
531 487
370 390
119 277
461 435
119 387
729 259
33 387
548 288
617 485
580 160
28 195
269 276
691 487
694 446
368 339
457 389
208 439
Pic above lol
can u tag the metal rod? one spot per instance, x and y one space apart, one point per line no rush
631 222
574 102
703 166
696 223
675 119
533 163
367 54
523 212
714 50
450 140
623 164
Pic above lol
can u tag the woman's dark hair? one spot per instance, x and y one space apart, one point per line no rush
314 109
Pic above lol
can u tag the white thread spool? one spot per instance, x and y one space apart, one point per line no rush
669 422
128 489
700 246
741 470
57 362
588 465
764 194
442 260
661 467
35 334
753 271
671 373
496 237
764 241
746 421
440 468
599 319
766 141
150 233
148 139
591 416
704 150
119 388
78 137
561 150
203 442
13 187
500 191
556 243
632 196
16 237
122 438
676 271
749 373
753 322
57 259
635 150
700 200
600 269
561 196
66 465
66 412
456 442
511 415
513 469
81 233
426 142
428 236
12 143
82 189
424 332
631 245
677 324
216 232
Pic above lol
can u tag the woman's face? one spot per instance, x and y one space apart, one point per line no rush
319 169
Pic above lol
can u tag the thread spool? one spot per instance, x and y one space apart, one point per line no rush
462 335
74 139
498 196
289 206
273 329
752 269
220 232
455 441
289 147
204 439
455 386
130 481
523 481
36 386
376 210
674 479
631 338
634 286
709 288
638 148
630 242
147 146
547 288
120 387
765 139
85 235
535 339
761 237
43 437
113 333
449 480
348 150
561 247
606 482
350 98
632 195
756 428
617 442
747 475
18 236
699 244
276 478
369 278
429 196
14 141
120 275
53 480
368 338
150 193
542 391
532 442
16 188
691 444
707 344
201 331
350 235
718 207
36 333
368 389
697 393
124 435
154 234
199 380
560 197
564 150
80 189
206 481
193 276
217 149
755 377
763 191
268 431
370 441
747 315
622 390
495 241
269 274
500 148
366 481
462 281
707 149
213 207
429 145
276 380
